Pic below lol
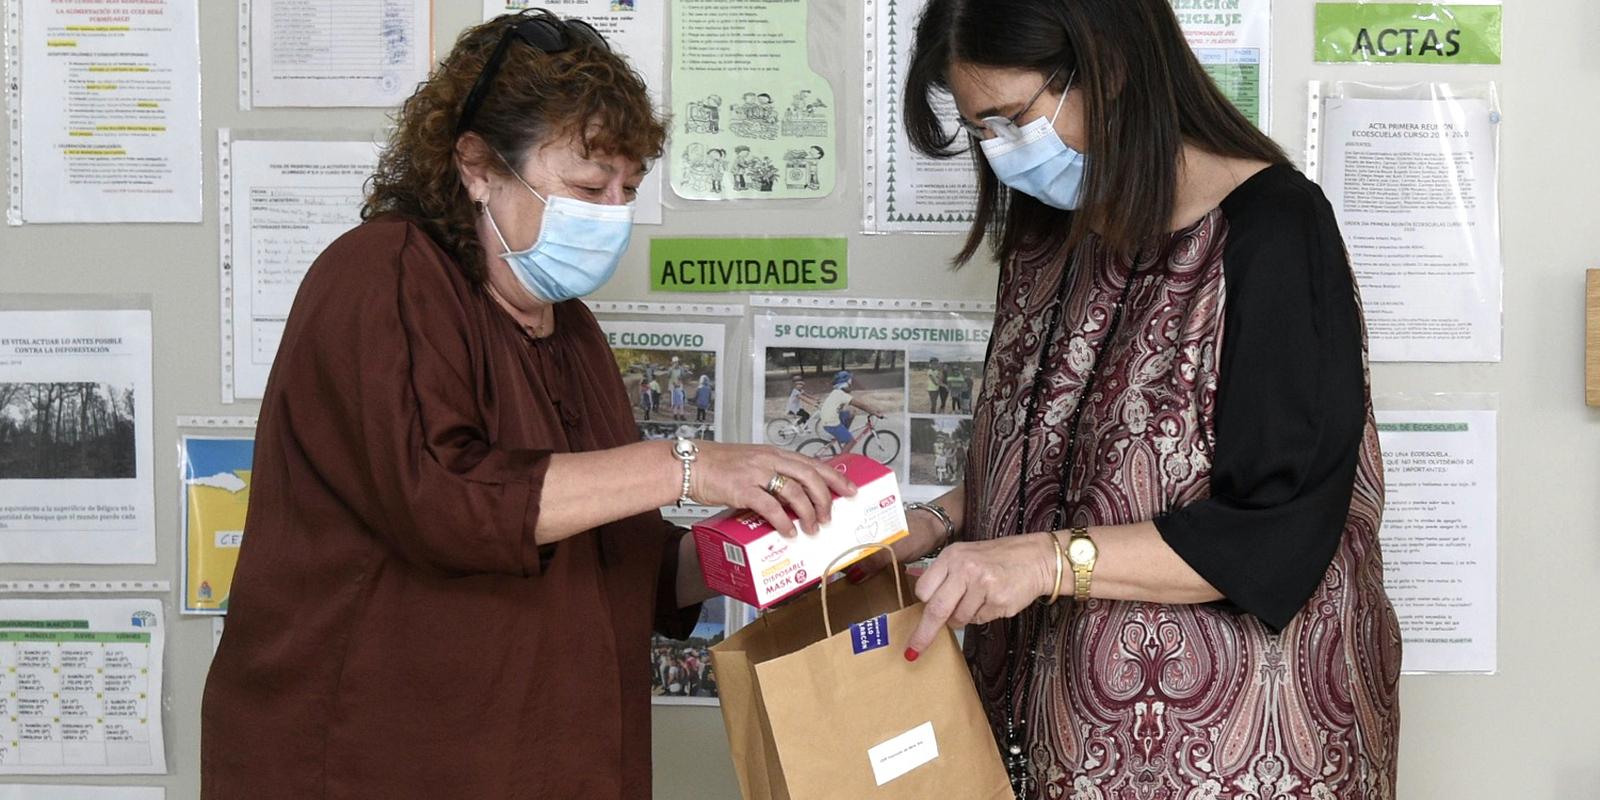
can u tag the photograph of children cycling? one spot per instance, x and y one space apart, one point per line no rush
828 401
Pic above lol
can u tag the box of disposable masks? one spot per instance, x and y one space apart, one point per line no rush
744 557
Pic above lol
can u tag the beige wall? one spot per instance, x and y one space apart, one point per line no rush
1527 733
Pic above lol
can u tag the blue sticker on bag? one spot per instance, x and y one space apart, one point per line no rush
870 634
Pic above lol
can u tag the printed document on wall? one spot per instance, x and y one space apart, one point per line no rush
290 200
1414 186
1233 40
109 112
638 32
338 53
81 687
1439 536
908 191
751 120
898 389
75 446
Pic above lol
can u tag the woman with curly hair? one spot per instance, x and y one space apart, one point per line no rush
455 555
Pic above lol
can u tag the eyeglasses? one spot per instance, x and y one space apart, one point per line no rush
544 32
1006 127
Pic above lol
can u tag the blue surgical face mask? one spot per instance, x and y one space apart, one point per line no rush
577 251
1033 160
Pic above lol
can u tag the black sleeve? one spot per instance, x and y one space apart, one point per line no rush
670 620
1291 407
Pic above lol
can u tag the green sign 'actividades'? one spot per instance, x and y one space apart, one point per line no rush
794 264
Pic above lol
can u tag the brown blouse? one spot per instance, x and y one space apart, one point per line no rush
394 630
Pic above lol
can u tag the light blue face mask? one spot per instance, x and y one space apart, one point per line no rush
1033 160
578 248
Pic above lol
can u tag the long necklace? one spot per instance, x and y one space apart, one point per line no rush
1019 660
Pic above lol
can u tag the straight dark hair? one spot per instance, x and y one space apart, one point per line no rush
1144 95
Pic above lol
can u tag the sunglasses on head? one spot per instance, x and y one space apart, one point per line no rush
544 32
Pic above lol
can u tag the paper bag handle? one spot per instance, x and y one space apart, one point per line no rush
899 593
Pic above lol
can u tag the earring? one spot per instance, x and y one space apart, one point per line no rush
482 207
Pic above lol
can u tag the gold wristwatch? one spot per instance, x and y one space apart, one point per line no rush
1081 554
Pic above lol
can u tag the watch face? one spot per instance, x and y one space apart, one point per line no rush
1081 551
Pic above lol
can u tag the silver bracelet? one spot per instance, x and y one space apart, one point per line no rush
686 451
943 516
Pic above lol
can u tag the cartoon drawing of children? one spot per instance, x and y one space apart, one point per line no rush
756 117
804 116
741 168
696 167
703 116
801 104
814 156
802 168
718 160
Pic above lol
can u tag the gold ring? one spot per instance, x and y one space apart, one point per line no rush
775 486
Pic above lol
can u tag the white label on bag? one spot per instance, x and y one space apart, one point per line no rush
903 753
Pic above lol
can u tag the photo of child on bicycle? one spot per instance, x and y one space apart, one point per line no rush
824 402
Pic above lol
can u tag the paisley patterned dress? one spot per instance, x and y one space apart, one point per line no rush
1288 688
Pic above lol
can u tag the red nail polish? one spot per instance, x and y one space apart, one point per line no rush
911 654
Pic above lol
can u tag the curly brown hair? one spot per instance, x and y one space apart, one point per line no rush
585 92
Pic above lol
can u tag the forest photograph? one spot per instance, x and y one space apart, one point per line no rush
52 431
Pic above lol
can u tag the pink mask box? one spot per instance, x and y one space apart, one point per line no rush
745 558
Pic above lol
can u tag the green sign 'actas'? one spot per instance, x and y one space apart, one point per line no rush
1411 33
1404 42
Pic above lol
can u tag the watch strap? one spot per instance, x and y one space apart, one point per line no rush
1082 574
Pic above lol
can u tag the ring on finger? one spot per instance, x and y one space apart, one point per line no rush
775 486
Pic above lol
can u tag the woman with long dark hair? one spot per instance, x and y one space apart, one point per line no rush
1175 433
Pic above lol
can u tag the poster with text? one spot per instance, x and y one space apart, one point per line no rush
289 201
75 440
82 687
907 191
1414 184
896 388
336 53
1439 536
215 498
1233 40
751 120
109 112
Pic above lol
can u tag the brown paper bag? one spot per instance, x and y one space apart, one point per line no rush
818 709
